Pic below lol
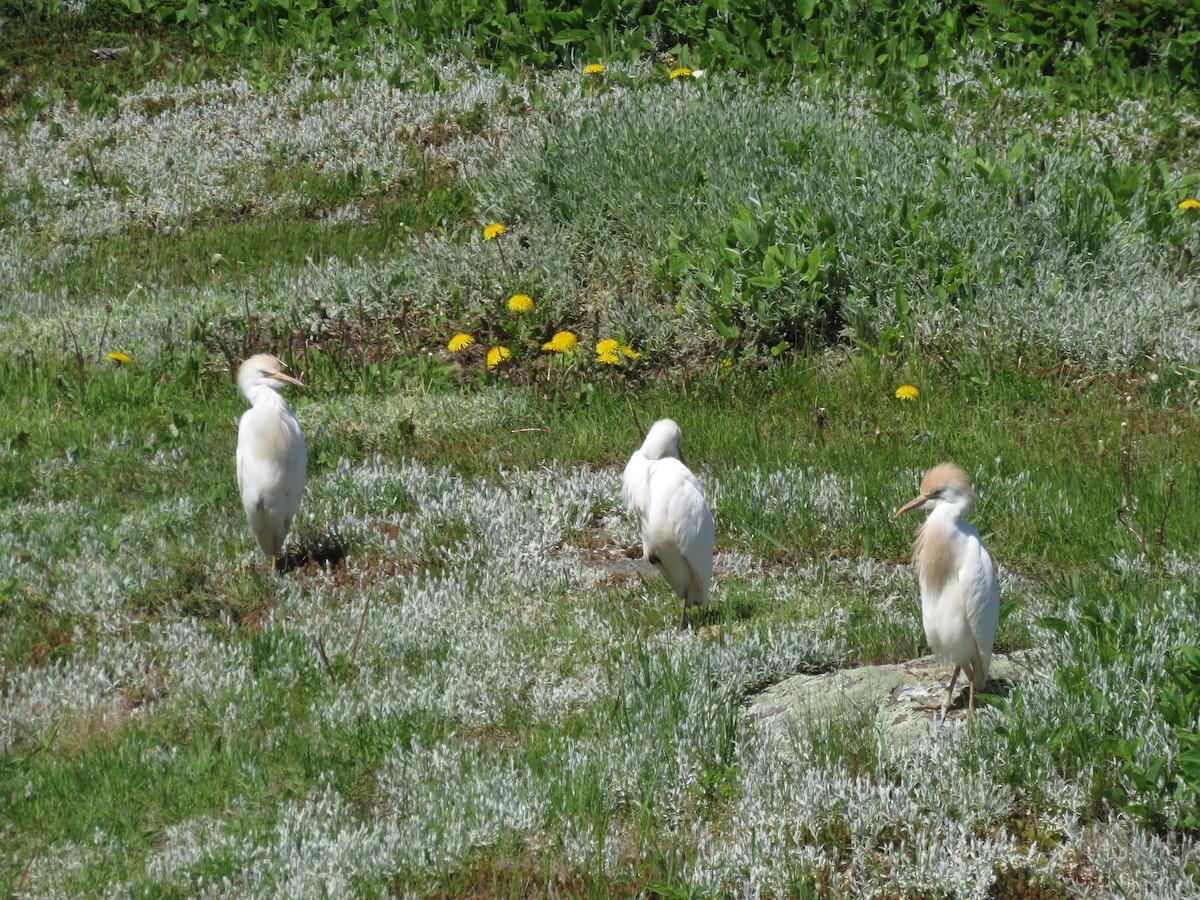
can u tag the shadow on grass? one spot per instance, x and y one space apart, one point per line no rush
324 548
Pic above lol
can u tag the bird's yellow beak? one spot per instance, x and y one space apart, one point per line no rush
283 376
912 504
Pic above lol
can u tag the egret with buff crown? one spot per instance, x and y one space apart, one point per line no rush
960 598
271 459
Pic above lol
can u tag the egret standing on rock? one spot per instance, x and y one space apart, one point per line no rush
677 528
271 459
960 599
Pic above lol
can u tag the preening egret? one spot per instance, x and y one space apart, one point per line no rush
960 599
271 459
677 528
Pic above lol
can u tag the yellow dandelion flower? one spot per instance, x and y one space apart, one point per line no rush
493 231
907 392
497 355
727 364
608 345
681 72
460 342
594 68
119 358
561 342
520 303
609 359
629 352
1189 203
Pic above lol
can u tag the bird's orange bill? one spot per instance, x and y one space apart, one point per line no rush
912 504
283 376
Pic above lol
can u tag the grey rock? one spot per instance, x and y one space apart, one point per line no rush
905 697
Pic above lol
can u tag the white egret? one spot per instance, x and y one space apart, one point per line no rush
271 458
960 598
676 525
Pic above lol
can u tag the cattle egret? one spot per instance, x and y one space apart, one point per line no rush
960 599
271 459
677 528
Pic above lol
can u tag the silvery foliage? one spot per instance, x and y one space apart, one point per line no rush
87 573
610 164
1128 682
931 815
662 726
478 610
1130 131
475 591
492 617
178 150
171 155
592 188
1140 863
917 822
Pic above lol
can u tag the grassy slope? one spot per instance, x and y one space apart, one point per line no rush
1068 426
99 463
1065 431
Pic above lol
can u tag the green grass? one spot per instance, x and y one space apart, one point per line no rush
230 246
483 696
1018 422
900 47
48 54
90 773
131 779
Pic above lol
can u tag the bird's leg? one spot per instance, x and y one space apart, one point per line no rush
950 691
971 702
683 619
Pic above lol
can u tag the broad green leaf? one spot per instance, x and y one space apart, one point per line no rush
746 233
570 36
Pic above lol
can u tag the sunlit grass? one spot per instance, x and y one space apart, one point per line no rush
804 497
487 693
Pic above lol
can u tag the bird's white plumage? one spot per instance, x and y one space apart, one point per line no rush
961 613
960 597
677 529
271 458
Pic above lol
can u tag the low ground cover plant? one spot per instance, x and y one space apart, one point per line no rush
837 243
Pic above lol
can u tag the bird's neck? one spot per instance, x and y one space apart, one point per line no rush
946 515
263 396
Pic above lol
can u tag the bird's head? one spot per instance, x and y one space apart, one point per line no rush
944 483
263 370
662 440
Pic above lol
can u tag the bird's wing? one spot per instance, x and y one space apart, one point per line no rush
981 597
271 457
297 469
635 486
241 454
689 520
674 567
